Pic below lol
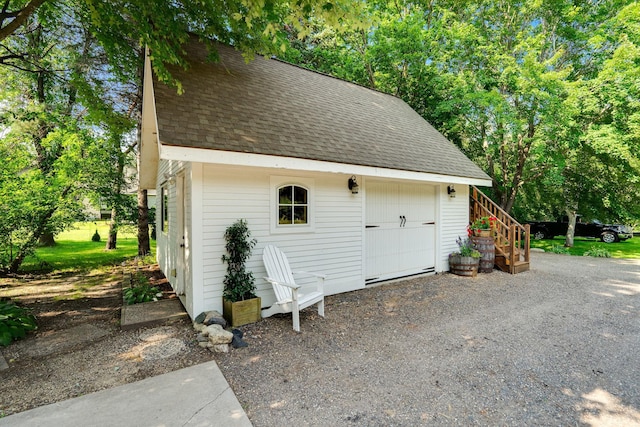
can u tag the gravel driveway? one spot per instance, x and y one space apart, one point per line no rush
558 345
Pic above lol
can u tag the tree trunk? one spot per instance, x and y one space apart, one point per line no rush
571 229
144 245
113 231
47 239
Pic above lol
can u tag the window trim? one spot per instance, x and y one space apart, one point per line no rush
277 182
164 208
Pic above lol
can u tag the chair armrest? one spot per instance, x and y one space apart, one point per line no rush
275 282
321 276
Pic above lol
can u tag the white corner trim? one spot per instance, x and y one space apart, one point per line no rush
171 152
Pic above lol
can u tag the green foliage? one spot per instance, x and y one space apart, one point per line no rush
140 290
466 247
483 223
623 249
559 249
95 237
239 284
597 252
59 124
75 250
15 322
542 95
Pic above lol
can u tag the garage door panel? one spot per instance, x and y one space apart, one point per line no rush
400 234
379 260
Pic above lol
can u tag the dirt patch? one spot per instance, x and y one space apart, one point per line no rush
79 347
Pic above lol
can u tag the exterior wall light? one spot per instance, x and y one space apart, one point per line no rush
353 185
451 191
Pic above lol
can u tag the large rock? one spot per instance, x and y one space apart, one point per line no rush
214 318
217 335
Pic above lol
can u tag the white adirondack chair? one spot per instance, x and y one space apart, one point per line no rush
288 300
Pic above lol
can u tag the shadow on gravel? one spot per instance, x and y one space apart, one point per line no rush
557 345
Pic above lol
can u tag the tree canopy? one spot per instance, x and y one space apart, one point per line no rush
543 95
70 99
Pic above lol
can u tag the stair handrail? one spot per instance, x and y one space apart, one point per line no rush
509 232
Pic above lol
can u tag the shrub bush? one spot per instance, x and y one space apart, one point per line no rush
140 291
15 322
557 249
597 252
95 237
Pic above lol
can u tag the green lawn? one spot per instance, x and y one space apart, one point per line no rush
627 249
76 251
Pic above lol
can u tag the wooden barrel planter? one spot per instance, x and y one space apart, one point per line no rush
463 265
482 232
487 248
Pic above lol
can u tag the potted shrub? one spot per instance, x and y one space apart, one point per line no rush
465 261
482 226
240 303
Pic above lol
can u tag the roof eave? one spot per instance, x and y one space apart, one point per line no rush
202 155
149 142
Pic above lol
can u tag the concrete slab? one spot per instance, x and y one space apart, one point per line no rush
195 396
151 313
61 340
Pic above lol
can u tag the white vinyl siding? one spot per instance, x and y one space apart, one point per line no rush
332 247
455 218
167 244
217 196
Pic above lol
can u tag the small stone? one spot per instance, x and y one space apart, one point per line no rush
237 332
220 348
201 338
199 327
200 317
214 318
203 344
238 342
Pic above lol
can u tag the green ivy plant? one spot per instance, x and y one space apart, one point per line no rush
239 284
140 291
15 322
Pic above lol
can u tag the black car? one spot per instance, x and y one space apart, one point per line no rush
608 233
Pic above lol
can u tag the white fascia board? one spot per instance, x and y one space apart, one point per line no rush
171 152
149 141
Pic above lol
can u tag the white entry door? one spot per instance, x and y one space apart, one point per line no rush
400 230
181 264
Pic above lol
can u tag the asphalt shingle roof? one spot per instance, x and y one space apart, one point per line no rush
275 108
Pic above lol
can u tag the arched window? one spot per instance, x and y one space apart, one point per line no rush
293 205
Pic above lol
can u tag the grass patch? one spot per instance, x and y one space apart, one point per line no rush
74 249
627 249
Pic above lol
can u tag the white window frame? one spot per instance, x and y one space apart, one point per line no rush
164 208
276 182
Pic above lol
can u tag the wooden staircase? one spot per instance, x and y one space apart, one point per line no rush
511 238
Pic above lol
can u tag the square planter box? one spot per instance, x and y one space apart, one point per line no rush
242 312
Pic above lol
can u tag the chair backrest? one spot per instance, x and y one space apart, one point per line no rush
277 266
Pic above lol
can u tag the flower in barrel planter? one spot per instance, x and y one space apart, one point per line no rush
465 261
482 226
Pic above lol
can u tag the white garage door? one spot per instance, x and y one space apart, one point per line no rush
400 230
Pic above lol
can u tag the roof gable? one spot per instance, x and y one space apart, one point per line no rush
275 108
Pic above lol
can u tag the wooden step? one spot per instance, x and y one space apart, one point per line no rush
503 263
520 267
